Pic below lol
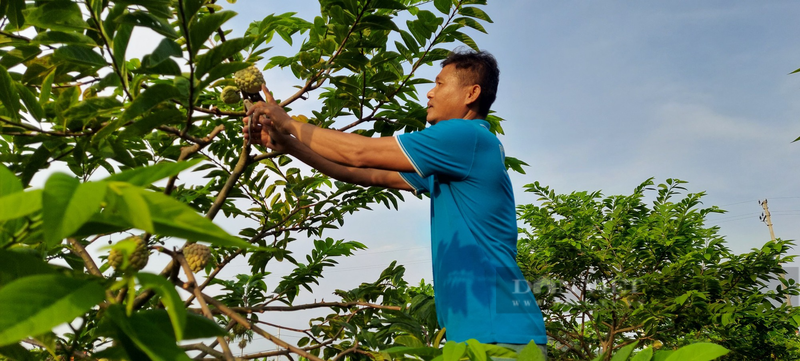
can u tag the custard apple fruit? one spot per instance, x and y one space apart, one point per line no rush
136 260
197 255
230 95
249 80
239 329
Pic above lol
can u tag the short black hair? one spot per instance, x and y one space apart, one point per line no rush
477 67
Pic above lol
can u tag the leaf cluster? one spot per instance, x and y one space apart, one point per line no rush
611 270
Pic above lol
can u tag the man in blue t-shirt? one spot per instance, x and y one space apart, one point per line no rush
479 290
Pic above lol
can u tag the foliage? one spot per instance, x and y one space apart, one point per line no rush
612 270
149 147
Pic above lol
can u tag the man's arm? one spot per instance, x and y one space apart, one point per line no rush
361 176
344 148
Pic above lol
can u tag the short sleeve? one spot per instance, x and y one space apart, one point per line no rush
419 184
445 149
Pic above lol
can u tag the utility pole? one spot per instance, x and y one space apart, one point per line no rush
767 218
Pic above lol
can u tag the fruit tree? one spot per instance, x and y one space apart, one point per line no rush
148 152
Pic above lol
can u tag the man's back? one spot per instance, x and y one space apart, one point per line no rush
460 163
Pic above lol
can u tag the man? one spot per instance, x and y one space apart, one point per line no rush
479 290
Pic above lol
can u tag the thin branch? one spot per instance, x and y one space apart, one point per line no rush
185 27
88 262
259 309
310 83
238 170
189 150
204 348
107 44
242 321
206 311
348 351
414 68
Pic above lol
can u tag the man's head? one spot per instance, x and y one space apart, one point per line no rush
465 88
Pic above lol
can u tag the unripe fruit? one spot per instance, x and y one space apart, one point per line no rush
239 329
197 256
249 80
136 260
230 95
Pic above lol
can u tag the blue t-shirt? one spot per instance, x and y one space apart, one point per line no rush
479 289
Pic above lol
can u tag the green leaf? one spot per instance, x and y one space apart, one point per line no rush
151 121
531 352
644 355
169 297
68 204
166 48
471 23
9 183
14 13
121 40
47 84
34 108
151 97
796 71
79 54
196 327
454 350
160 8
475 350
91 108
20 204
61 37
474 12
222 70
443 6
63 15
34 305
464 38
17 352
18 264
409 340
515 164
8 94
131 206
146 176
217 54
166 67
662 355
190 8
623 353
146 335
377 22
200 31
701 351
144 19
173 218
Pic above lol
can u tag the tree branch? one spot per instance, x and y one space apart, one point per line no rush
242 321
206 311
259 309
88 262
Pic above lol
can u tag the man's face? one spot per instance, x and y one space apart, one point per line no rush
448 98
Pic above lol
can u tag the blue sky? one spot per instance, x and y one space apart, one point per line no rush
603 95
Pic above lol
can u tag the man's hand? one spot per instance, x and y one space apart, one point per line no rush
270 113
267 136
257 135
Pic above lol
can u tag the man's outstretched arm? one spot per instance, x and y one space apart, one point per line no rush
361 176
344 148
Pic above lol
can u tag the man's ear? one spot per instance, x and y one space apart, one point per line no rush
473 92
